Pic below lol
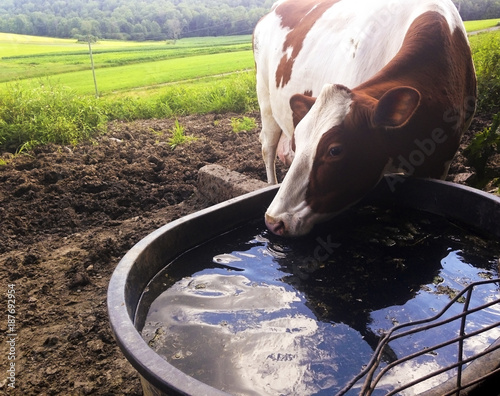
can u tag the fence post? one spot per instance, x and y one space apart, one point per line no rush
93 69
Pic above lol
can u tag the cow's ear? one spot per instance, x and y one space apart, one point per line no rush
396 107
300 104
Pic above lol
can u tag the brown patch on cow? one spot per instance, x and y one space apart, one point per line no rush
438 64
299 16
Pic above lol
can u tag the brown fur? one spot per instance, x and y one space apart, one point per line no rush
435 63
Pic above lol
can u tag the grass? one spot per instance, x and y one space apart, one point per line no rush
234 92
243 124
25 57
48 114
51 113
22 67
179 136
486 55
472 26
138 75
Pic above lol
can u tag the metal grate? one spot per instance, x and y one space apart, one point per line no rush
481 366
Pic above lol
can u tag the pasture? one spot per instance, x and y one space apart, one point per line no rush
47 87
119 65
472 26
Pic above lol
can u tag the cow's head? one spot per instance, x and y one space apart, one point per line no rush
341 153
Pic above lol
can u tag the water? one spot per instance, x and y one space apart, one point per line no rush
254 314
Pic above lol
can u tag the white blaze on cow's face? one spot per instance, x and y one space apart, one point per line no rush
289 213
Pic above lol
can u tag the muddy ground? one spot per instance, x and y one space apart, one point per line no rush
68 214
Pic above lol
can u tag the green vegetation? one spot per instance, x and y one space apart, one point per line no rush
179 136
121 66
486 144
48 114
27 57
243 124
486 55
51 113
55 63
232 93
483 147
196 75
150 73
472 26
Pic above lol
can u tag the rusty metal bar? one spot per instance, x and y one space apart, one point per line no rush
463 323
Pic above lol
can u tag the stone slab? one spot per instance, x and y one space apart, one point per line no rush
217 183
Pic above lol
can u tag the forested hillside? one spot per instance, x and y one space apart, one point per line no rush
131 19
157 19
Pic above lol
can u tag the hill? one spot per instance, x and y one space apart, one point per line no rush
157 19
131 19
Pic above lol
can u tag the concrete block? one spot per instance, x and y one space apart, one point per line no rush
218 184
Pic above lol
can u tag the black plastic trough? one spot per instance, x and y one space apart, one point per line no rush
471 207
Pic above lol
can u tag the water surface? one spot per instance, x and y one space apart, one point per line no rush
254 314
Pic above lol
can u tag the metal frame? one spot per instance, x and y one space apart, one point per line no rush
465 377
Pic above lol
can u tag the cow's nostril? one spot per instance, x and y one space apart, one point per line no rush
275 226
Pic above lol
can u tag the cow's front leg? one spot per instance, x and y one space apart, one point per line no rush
269 138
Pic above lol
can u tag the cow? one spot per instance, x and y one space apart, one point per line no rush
351 90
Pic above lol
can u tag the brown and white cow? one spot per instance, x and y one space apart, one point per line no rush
350 90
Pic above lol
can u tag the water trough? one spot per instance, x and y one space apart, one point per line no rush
467 207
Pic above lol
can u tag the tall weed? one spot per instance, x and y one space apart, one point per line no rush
47 114
483 147
54 114
486 55
234 93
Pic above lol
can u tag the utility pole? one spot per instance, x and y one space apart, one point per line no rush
93 69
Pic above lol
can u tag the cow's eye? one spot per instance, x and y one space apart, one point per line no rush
335 151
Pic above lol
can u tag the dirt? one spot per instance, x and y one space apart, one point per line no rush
68 214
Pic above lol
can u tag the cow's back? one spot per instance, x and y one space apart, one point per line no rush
302 45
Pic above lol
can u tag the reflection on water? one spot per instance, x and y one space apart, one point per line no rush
250 338
253 314
260 334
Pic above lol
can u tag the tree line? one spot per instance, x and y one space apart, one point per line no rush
131 19
472 10
157 19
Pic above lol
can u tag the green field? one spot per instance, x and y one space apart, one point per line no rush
119 65
138 75
472 26
123 65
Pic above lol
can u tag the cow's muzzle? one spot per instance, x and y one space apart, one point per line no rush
276 226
